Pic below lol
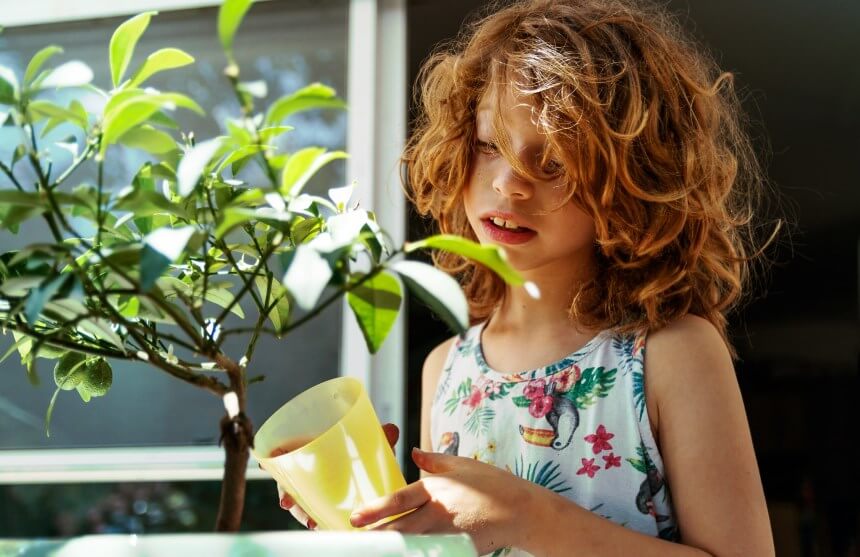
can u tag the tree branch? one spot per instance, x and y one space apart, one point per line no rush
8 172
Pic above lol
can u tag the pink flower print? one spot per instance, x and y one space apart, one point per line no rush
567 379
475 397
588 467
540 406
600 439
492 388
612 460
535 389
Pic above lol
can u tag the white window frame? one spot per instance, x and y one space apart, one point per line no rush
376 131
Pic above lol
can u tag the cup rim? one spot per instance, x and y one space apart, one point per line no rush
341 379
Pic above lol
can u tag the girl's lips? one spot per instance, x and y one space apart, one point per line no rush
506 235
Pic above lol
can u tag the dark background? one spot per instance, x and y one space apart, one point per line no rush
796 70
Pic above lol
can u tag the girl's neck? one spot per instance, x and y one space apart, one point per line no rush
522 315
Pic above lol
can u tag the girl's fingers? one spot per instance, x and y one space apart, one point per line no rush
410 497
302 517
288 504
284 500
435 463
392 433
418 521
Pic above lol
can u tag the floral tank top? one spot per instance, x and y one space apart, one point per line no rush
578 427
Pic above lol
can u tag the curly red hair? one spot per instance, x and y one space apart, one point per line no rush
652 139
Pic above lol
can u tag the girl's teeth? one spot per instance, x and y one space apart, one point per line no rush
504 224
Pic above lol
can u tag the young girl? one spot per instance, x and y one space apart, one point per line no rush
605 153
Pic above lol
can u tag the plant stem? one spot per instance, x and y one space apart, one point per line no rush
237 435
8 172
75 164
99 187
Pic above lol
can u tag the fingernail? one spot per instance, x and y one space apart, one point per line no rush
286 502
356 519
312 525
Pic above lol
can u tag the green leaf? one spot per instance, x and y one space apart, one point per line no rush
130 307
240 134
46 109
239 154
231 217
12 216
149 139
19 153
23 345
229 18
145 203
315 95
302 165
8 86
38 60
279 315
267 134
491 256
70 74
307 276
305 230
438 290
160 60
126 116
161 248
375 304
223 297
193 164
101 329
122 44
38 297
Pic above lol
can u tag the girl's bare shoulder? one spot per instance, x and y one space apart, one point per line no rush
686 360
435 360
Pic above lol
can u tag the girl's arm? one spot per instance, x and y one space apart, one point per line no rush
707 451
429 380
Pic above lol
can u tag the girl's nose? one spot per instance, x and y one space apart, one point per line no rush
508 183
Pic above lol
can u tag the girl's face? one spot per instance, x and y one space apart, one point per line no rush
525 216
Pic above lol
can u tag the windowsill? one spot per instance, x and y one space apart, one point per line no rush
115 465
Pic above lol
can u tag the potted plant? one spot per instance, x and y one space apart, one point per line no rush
160 263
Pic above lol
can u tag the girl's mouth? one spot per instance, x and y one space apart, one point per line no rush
505 234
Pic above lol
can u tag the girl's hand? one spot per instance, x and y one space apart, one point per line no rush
392 433
459 495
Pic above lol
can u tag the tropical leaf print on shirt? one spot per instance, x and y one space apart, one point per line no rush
545 476
639 392
479 420
596 382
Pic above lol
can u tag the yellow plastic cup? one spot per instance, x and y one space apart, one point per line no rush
340 458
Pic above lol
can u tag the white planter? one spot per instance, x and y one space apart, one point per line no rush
269 544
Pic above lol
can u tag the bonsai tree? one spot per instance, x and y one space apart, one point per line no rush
160 262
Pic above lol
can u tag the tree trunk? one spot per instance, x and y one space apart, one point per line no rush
237 435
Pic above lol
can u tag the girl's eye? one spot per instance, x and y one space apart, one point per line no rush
552 168
486 147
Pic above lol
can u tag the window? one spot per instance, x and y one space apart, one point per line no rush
145 406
